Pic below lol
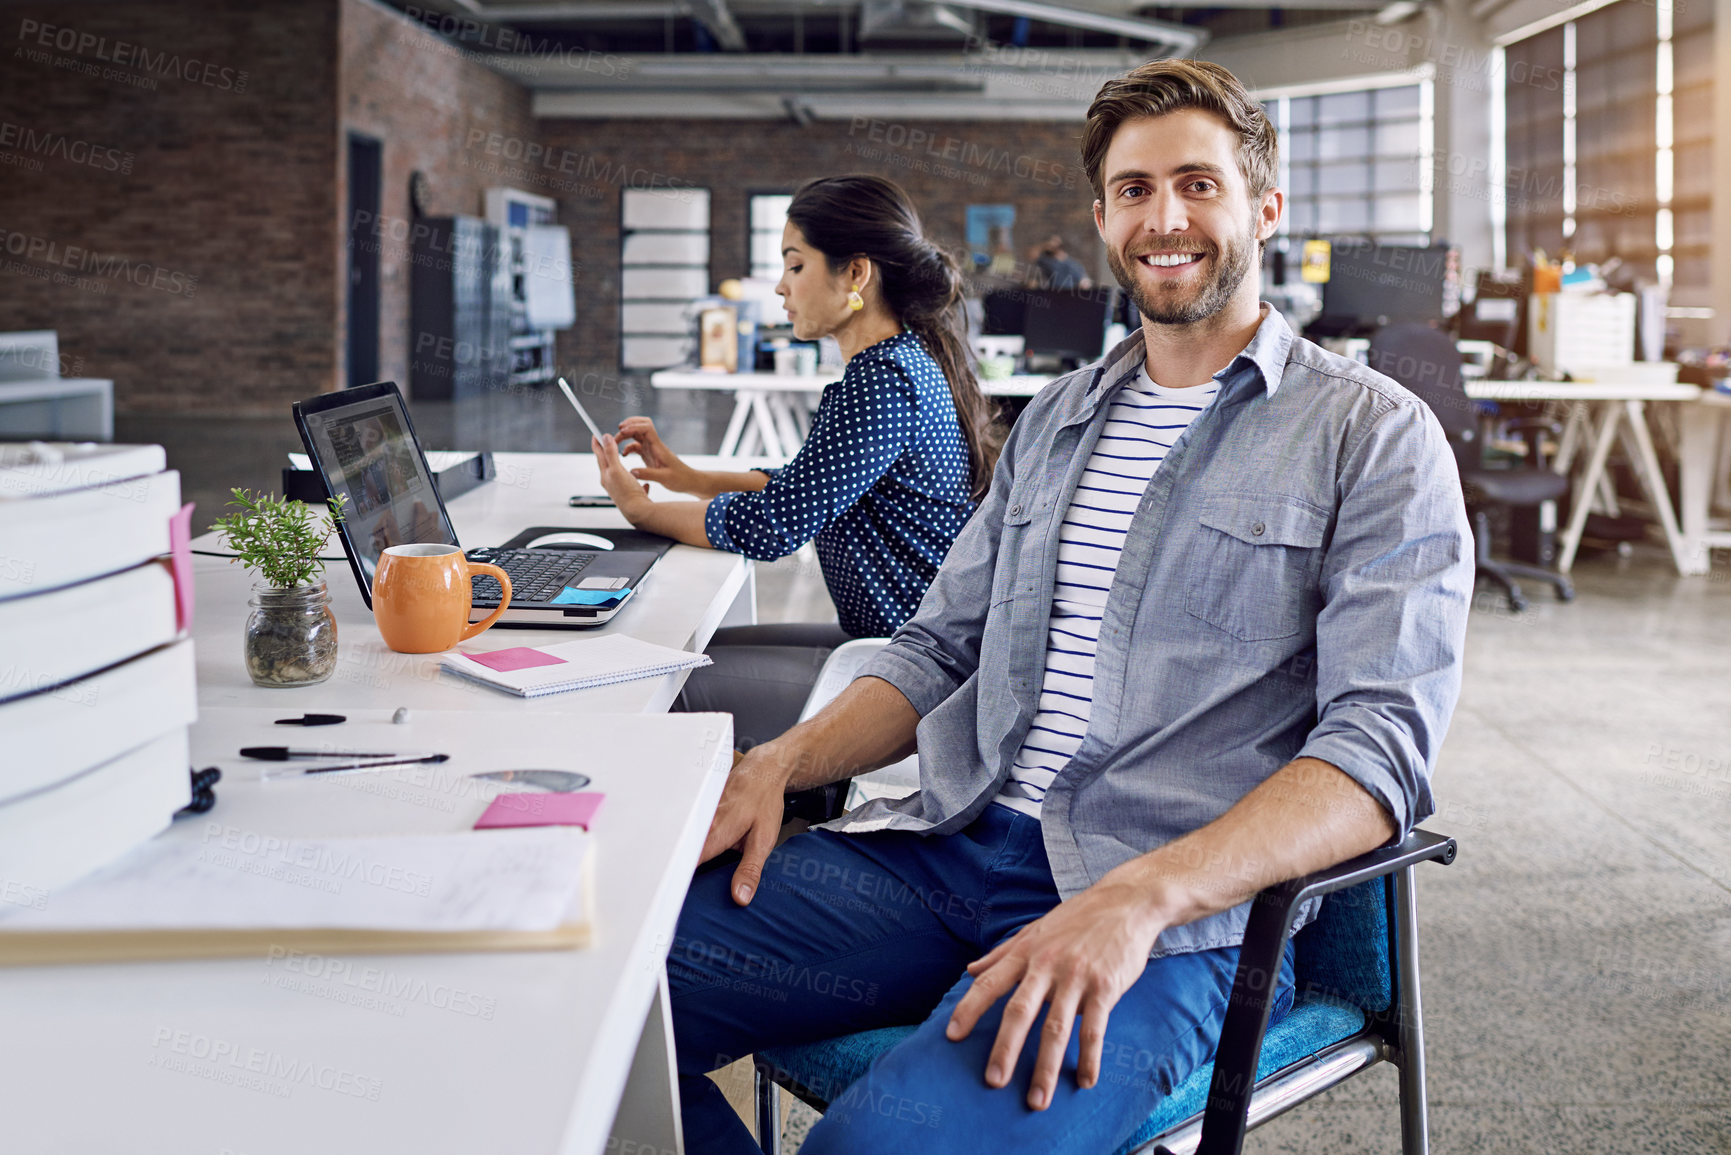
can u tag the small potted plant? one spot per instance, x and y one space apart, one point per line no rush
291 635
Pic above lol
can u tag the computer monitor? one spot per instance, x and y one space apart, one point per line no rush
1003 313
1371 285
1498 312
1070 325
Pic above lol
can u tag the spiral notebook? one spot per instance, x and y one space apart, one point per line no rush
532 671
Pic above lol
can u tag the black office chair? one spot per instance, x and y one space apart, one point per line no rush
1426 361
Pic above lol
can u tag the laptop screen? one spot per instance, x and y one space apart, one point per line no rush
367 453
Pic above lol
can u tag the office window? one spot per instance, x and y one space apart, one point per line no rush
1535 98
1357 162
768 215
664 266
1691 161
1615 109
1609 142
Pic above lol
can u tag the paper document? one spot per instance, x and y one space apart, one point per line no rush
578 665
516 880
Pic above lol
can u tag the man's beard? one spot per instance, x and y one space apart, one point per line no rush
1232 263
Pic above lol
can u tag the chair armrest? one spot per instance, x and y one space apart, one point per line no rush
1271 917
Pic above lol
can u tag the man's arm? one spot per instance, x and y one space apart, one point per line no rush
938 649
870 724
1084 954
1397 582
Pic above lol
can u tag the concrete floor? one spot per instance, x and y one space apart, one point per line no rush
1577 955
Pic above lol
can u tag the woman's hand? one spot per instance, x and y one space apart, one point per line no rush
629 495
660 464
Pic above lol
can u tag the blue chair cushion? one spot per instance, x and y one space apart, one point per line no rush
1312 1024
1344 950
1315 1022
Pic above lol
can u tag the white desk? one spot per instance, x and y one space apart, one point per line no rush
1621 415
688 595
1705 466
83 1065
520 1052
772 412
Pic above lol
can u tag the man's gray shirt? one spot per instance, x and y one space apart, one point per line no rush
1295 582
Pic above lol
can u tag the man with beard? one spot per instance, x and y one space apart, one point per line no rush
1203 635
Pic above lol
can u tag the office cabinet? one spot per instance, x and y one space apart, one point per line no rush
459 310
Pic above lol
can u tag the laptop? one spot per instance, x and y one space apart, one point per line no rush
363 446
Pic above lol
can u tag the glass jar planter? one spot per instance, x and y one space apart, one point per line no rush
291 635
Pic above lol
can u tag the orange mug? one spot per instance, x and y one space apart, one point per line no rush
421 597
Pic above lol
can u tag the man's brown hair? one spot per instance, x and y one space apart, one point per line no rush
1163 86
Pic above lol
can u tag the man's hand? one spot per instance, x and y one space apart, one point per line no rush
1085 953
748 818
660 464
1080 958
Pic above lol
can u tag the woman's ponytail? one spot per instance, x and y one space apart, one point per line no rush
935 313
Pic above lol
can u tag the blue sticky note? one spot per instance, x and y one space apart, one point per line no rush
576 597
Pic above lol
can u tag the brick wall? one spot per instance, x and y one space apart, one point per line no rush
944 165
434 112
173 197
191 218
168 167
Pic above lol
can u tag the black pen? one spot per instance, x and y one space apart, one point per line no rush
286 753
297 771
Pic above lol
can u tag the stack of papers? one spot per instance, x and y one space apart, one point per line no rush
172 898
532 671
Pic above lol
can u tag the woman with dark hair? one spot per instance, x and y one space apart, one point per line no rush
901 449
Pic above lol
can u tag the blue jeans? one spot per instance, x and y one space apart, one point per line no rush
849 932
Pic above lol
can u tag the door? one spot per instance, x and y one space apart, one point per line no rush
365 161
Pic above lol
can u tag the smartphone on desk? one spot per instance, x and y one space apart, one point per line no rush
590 501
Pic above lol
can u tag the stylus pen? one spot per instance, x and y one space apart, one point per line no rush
581 412
298 771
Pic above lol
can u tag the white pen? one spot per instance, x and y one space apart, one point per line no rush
581 412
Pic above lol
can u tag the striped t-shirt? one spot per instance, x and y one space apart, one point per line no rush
1144 422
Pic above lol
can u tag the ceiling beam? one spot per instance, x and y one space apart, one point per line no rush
1180 38
714 15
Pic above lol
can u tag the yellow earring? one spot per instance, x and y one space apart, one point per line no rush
854 300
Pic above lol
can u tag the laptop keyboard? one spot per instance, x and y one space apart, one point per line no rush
537 575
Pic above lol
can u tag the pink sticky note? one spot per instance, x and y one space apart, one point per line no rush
540 810
180 564
515 658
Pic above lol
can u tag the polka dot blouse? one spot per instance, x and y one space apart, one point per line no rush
881 485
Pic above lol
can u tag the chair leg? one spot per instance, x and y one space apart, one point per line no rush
1414 1111
1505 572
768 1097
1487 566
1512 589
1565 588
